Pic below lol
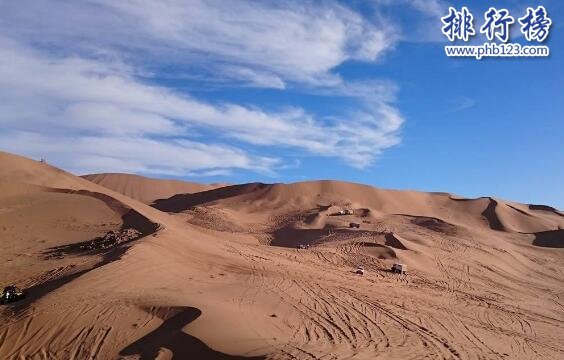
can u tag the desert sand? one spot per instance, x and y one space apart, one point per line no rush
127 267
146 189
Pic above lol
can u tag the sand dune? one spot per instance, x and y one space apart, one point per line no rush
217 273
42 220
145 189
316 200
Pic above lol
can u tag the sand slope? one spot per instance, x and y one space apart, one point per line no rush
221 277
146 189
45 213
317 201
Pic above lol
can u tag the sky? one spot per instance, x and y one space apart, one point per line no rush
283 91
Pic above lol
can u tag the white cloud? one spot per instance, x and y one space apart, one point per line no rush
295 40
71 87
252 77
89 154
424 18
434 8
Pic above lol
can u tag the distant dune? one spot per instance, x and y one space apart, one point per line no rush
256 199
146 189
124 266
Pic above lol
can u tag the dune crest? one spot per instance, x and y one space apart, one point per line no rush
145 189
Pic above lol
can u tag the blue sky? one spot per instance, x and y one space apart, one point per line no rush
234 91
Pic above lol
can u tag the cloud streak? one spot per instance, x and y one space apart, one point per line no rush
73 90
295 40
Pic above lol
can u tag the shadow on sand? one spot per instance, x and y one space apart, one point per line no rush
550 239
182 345
130 219
181 202
36 292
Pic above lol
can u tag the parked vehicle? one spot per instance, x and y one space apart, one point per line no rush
399 268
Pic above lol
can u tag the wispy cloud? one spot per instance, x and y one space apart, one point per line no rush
88 154
253 78
293 40
424 18
71 79
433 8
463 103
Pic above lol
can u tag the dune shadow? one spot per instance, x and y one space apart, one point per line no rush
290 237
546 208
393 241
36 292
182 345
131 219
490 214
182 202
433 224
378 250
550 239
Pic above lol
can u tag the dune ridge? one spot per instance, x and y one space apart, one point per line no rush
145 189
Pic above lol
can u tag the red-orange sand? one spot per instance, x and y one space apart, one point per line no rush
216 273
